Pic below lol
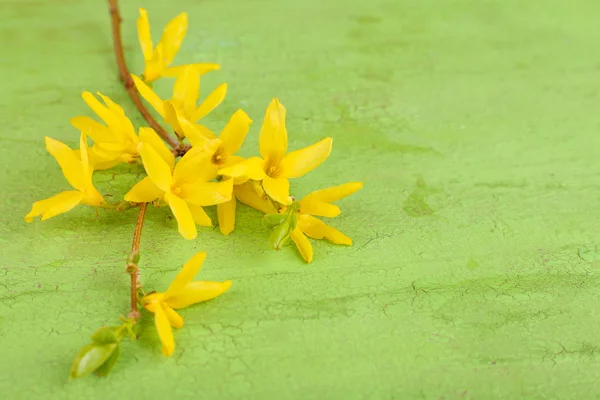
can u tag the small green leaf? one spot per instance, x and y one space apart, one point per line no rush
104 369
279 234
270 221
90 358
106 335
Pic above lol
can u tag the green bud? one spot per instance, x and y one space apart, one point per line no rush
270 221
104 369
279 235
133 258
106 335
90 358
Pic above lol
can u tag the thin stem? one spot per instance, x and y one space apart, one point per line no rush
132 261
125 77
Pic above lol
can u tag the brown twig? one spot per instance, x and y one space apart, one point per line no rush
133 259
125 77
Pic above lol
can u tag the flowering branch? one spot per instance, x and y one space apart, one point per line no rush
133 259
125 76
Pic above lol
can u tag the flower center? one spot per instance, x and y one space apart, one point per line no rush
176 190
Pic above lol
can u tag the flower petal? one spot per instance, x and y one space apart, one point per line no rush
185 91
175 319
235 132
208 193
303 245
317 229
201 69
105 114
144 35
272 138
192 167
199 215
317 202
173 116
87 169
247 195
319 208
252 168
196 292
165 333
277 189
173 36
198 135
70 166
211 102
149 95
94 129
127 131
54 205
148 135
226 215
299 162
145 191
188 272
158 170
185 221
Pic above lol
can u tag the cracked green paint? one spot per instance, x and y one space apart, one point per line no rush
493 103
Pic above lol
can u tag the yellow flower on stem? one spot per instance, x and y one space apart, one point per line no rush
78 173
183 102
157 59
182 186
276 167
319 203
182 292
115 142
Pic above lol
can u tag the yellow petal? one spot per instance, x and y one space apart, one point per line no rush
319 208
148 94
317 229
303 245
148 135
192 167
55 205
175 319
226 214
173 36
277 189
94 129
71 167
173 116
144 35
317 203
188 272
158 170
127 131
105 114
185 221
198 135
198 291
86 166
299 162
272 138
208 193
165 333
154 67
199 215
235 132
145 191
252 168
211 102
201 69
185 91
247 195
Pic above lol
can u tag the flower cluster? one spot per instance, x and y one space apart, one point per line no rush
203 169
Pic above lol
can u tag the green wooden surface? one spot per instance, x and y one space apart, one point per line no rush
474 274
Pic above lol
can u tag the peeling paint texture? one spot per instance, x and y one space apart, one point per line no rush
474 274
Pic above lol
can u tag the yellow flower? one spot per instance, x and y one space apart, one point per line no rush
276 167
78 173
115 142
319 203
181 293
183 186
183 102
157 59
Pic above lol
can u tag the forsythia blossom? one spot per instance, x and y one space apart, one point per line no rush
182 292
78 173
276 167
157 59
183 101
